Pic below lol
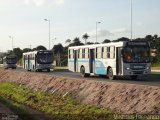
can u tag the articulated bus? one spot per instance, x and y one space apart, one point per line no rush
38 60
10 62
130 58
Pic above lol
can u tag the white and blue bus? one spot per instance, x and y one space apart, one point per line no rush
112 59
38 60
10 62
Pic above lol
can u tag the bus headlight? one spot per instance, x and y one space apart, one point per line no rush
147 68
127 68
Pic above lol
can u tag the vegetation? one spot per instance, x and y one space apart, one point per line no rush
85 37
55 105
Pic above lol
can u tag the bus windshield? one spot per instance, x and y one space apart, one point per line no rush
136 54
45 58
11 60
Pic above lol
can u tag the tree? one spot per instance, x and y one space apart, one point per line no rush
26 50
40 47
155 37
58 48
90 43
123 39
85 37
149 38
68 41
139 39
18 53
106 41
76 42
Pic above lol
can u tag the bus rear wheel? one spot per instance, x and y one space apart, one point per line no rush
83 74
110 74
48 70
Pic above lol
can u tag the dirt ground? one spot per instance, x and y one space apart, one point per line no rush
120 97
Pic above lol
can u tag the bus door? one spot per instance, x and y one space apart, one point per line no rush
75 60
92 60
24 64
28 62
119 61
35 62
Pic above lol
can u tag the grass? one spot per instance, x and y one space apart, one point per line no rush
60 68
156 65
55 105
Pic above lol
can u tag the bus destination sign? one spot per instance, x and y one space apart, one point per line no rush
137 43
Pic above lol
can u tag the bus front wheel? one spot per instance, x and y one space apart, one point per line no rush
134 77
110 74
83 74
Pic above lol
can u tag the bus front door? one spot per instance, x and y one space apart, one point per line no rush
92 60
28 62
24 64
119 61
75 61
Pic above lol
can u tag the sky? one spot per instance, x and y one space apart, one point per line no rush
24 21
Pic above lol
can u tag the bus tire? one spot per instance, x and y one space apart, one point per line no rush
83 74
134 77
48 70
110 74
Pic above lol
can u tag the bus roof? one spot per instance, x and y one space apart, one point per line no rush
35 52
117 44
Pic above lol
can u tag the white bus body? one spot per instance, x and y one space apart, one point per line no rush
38 60
111 59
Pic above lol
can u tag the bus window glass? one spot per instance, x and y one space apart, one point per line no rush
45 58
86 53
104 52
112 52
99 51
11 60
80 54
136 54
108 52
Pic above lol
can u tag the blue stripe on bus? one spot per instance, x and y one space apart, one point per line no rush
81 60
100 68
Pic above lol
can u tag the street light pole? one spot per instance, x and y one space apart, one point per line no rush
96 29
131 20
49 31
11 37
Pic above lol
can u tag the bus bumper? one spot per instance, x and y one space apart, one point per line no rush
44 67
143 69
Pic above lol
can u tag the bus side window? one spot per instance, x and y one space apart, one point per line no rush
99 51
108 52
96 52
112 52
104 52
86 53
83 53
78 53
69 54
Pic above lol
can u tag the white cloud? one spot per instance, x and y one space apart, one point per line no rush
42 2
60 2
139 24
100 33
35 2
120 30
